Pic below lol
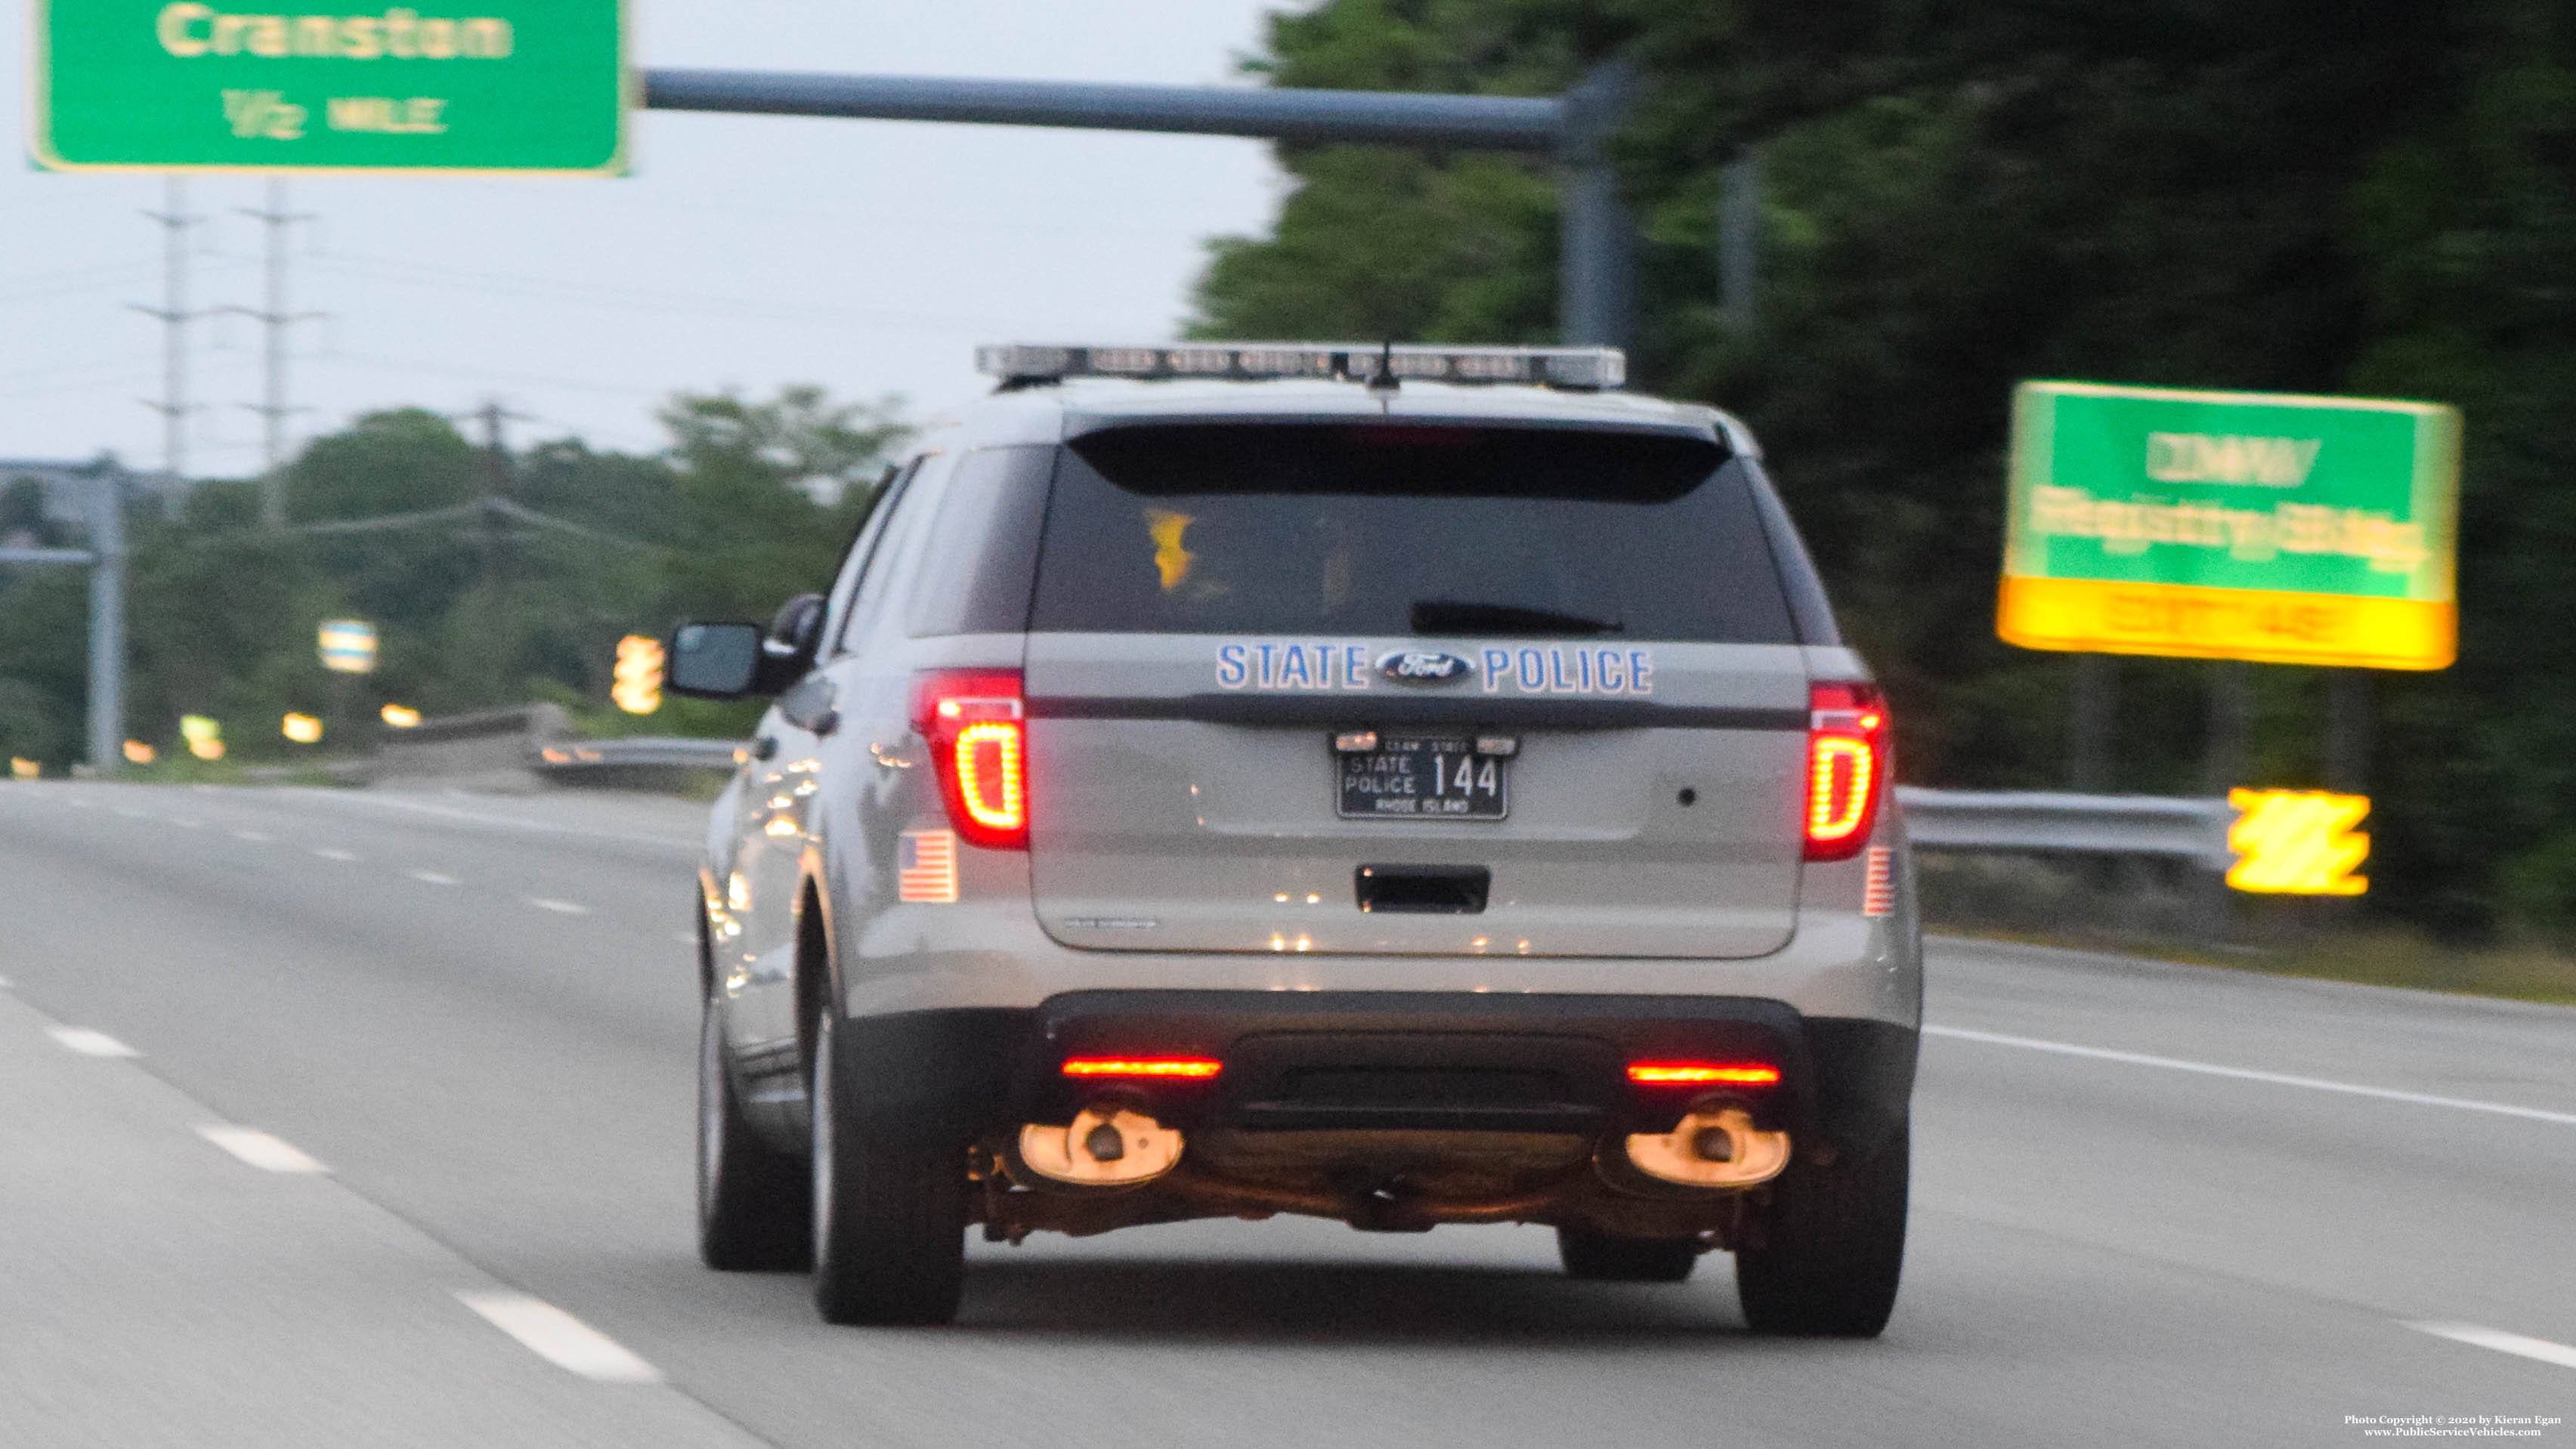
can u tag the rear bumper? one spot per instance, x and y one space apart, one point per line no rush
1362 1060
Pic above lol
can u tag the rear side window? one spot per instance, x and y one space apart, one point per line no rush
984 545
1403 528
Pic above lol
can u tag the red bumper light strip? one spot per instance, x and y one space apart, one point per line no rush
1187 1068
1741 1074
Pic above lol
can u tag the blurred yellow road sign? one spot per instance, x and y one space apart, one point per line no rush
638 686
20 769
304 729
348 646
139 753
401 717
2297 842
2231 525
205 736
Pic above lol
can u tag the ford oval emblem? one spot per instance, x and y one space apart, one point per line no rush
1422 666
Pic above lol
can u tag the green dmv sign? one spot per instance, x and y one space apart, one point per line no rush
2297 530
514 85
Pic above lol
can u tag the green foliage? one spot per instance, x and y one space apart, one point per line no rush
474 607
2377 197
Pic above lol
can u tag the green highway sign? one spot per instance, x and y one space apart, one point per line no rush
516 85
2297 530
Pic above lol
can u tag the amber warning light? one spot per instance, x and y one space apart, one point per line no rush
1732 1074
1183 1068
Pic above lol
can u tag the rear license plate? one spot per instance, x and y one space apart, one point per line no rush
1436 778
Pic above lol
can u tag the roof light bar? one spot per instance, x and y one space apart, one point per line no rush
1582 369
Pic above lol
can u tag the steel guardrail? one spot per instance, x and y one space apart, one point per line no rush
572 757
2051 821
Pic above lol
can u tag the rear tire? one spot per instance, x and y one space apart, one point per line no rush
752 1199
1834 1247
1601 1258
889 1207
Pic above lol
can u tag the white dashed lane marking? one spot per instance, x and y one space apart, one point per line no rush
253 836
569 908
431 877
561 1339
2502 1342
328 852
260 1150
2243 1074
86 1042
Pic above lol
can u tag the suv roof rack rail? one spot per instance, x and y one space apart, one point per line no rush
1576 369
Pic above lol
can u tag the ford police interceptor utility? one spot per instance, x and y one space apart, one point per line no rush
1403 785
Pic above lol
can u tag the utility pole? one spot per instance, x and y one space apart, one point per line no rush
174 317
496 488
107 620
275 319
1739 239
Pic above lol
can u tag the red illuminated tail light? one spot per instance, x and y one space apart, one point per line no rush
1847 767
1696 1074
977 726
1188 1069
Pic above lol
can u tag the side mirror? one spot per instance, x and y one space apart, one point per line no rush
714 661
795 637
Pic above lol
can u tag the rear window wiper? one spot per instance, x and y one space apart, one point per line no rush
1450 616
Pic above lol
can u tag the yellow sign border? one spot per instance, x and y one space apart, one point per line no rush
40 139
2192 621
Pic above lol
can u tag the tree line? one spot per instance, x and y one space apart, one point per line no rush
2374 197
492 578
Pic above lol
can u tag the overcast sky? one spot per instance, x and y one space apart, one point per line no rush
744 252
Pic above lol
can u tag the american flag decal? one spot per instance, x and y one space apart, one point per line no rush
928 867
1878 895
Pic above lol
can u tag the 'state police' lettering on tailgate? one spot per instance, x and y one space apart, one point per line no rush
1549 669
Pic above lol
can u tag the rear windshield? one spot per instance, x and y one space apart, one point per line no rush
1405 529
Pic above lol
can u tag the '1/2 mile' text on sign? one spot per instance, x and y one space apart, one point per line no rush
521 85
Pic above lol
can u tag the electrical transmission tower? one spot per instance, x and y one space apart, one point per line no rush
174 317
274 319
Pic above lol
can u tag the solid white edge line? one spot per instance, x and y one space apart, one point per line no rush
2278 1079
559 1338
88 1042
2501 1341
260 1150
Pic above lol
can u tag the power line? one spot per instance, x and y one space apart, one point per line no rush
387 269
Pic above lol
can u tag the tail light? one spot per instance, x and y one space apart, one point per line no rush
1187 1069
1694 1074
1846 767
979 749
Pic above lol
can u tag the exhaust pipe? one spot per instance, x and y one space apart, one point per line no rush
1107 1146
1715 1146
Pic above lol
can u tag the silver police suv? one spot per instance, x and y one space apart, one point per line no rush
1403 785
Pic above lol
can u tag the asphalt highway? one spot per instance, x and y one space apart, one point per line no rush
344 1118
